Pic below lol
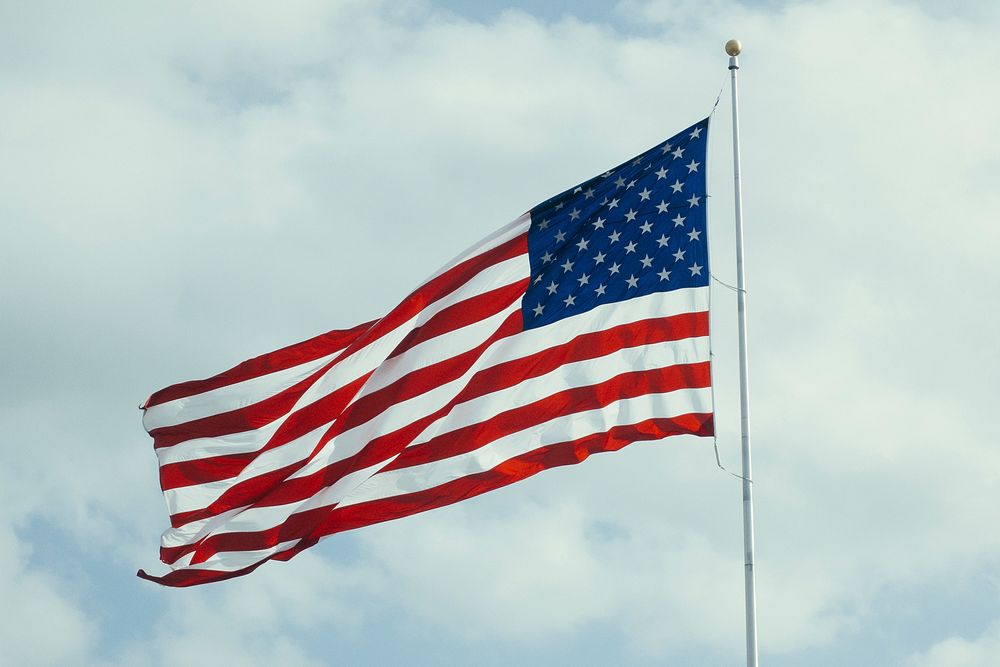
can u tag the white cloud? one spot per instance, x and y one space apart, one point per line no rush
41 624
184 190
960 652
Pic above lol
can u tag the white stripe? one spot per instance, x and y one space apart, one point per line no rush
199 496
194 531
582 373
403 413
252 519
231 561
373 355
567 376
509 231
234 443
454 342
229 397
507 349
429 475
564 429
242 394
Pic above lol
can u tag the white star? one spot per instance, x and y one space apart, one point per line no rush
696 133
679 255
693 166
600 290
679 152
588 193
605 174
604 201
620 182
646 227
630 216
599 223
695 269
694 200
560 205
599 258
552 287
614 268
695 235
664 274
615 236
568 266
570 301
538 278
574 214
677 186
644 194
584 279
662 207
577 189
663 240
632 281
638 160
538 309
666 148
630 247
646 262
582 245
679 220
560 237
613 203
661 174
631 184
544 224
546 258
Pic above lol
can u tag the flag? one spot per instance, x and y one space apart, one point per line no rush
578 328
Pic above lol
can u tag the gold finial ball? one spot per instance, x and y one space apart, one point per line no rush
733 47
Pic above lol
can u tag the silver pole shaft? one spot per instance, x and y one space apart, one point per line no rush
748 542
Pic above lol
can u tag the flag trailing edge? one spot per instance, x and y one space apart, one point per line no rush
579 328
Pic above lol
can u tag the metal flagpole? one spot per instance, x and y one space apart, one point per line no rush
733 48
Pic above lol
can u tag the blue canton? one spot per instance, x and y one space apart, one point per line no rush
637 229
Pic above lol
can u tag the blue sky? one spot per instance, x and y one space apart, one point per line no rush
183 189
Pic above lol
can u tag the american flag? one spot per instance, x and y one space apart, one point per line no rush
579 328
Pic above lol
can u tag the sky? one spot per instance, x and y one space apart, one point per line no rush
185 187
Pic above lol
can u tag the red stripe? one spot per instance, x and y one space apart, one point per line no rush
587 346
462 314
510 471
504 375
300 422
286 357
567 402
328 408
236 421
263 412
302 487
438 288
330 521
590 345
580 399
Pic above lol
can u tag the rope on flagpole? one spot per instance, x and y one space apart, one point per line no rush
711 348
725 284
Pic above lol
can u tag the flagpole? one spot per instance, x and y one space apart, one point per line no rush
733 48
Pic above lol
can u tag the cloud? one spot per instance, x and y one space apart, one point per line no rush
960 652
36 603
182 190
